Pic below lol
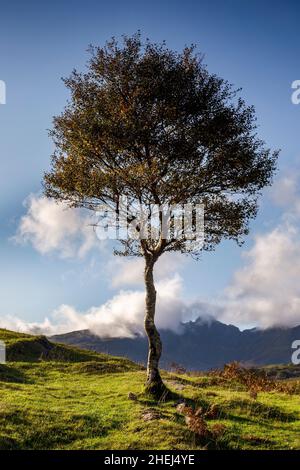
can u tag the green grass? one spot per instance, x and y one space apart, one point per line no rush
73 399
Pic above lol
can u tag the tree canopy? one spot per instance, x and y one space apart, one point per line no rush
154 125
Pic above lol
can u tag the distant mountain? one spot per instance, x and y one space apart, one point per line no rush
201 345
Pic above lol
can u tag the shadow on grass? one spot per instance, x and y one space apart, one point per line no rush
15 417
8 443
260 410
12 375
201 382
46 435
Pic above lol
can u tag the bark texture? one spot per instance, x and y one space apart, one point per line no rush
154 383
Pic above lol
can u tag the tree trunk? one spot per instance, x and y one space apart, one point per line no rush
154 383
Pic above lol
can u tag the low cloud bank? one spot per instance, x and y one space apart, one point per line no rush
121 316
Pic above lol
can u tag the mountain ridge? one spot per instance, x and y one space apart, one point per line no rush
201 345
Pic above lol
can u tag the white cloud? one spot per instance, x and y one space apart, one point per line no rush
51 226
121 316
266 291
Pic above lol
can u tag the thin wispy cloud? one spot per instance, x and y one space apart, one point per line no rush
129 272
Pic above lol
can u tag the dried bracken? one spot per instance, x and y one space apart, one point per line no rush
213 412
183 408
253 393
194 419
218 430
198 425
177 368
254 380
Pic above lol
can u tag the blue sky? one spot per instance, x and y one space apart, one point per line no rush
253 44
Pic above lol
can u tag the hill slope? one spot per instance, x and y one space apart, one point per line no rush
200 346
79 400
22 347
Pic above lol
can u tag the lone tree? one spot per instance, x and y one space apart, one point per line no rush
155 126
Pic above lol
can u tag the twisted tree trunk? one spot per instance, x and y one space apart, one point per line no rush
154 383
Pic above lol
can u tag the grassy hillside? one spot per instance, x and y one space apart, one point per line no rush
58 397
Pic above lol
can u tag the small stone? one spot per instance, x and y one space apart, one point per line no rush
150 414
